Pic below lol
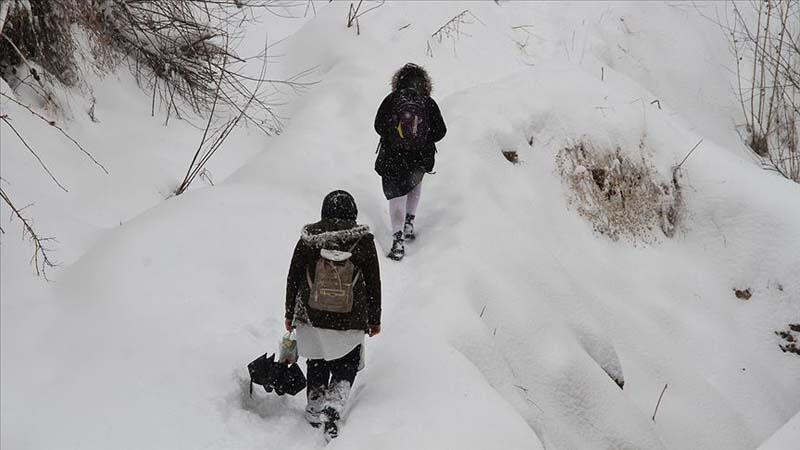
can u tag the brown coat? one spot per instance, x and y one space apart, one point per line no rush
335 235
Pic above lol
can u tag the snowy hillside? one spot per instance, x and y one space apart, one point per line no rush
510 323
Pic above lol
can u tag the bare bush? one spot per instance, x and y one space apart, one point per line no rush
619 196
177 49
180 50
36 44
766 45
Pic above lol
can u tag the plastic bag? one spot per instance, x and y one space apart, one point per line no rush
287 350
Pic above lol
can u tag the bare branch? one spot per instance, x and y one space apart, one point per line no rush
5 119
689 154
53 124
452 29
41 259
659 402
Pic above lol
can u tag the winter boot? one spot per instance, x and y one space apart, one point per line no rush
398 247
408 228
314 408
330 417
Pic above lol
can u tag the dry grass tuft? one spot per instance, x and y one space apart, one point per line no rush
622 198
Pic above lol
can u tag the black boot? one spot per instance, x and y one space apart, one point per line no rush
398 247
314 407
408 228
330 418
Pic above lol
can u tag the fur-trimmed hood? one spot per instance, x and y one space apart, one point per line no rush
317 237
412 76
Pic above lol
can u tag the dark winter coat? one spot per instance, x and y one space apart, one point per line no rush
393 160
335 235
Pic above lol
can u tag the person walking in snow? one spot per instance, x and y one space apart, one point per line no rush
409 123
333 297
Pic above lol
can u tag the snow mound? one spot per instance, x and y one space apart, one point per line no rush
786 437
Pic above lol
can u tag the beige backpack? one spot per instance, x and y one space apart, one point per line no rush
334 278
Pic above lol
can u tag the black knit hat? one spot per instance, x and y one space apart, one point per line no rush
339 205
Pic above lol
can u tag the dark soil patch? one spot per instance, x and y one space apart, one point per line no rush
743 294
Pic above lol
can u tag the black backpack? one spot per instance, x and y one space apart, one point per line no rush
410 119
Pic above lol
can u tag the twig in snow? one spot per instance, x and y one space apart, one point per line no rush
206 175
53 124
4 118
353 14
310 4
483 310
91 111
41 260
526 393
452 28
659 402
688 154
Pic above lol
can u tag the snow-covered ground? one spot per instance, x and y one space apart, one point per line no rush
503 323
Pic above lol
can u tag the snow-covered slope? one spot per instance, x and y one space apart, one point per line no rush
786 437
503 323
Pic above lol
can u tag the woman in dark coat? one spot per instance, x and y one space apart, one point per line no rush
332 338
409 123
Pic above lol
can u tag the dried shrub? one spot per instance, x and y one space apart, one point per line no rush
766 46
37 47
180 50
39 30
622 198
177 49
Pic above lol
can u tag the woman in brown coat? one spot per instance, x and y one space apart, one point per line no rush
333 298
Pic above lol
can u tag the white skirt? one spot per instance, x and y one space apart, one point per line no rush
322 343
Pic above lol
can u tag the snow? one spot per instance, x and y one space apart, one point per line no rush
786 437
508 322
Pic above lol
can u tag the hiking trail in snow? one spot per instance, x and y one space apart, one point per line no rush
509 319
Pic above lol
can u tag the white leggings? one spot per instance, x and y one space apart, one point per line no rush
400 206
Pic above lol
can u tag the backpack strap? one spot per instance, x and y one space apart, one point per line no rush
358 272
355 245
